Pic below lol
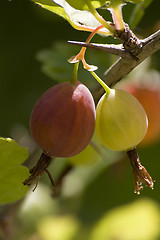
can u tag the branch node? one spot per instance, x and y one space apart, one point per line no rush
129 40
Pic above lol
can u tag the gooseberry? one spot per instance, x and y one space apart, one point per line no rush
121 122
149 97
63 120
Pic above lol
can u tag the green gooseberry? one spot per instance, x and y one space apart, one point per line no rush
121 122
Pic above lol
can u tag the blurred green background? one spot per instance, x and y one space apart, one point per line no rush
98 201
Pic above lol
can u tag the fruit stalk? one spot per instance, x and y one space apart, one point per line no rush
117 16
99 17
105 87
74 79
141 176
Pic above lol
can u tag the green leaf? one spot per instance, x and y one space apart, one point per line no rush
114 3
77 14
136 1
81 4
51 6
11 173
80 20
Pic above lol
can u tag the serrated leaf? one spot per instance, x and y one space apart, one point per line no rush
12 174
80 20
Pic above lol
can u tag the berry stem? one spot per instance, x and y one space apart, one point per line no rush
106 88
99 17
81 54
74 74
117 16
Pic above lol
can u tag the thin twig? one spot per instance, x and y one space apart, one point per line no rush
116 49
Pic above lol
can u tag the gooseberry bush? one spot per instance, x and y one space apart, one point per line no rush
70 119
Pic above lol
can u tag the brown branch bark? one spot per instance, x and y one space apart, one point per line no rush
125 65
109 48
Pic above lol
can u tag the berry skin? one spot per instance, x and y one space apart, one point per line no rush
63 120
121 122
89 155
149 97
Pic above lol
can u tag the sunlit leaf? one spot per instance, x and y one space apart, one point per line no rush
51 6
12 174
81 4
80 20
136 1
77 12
